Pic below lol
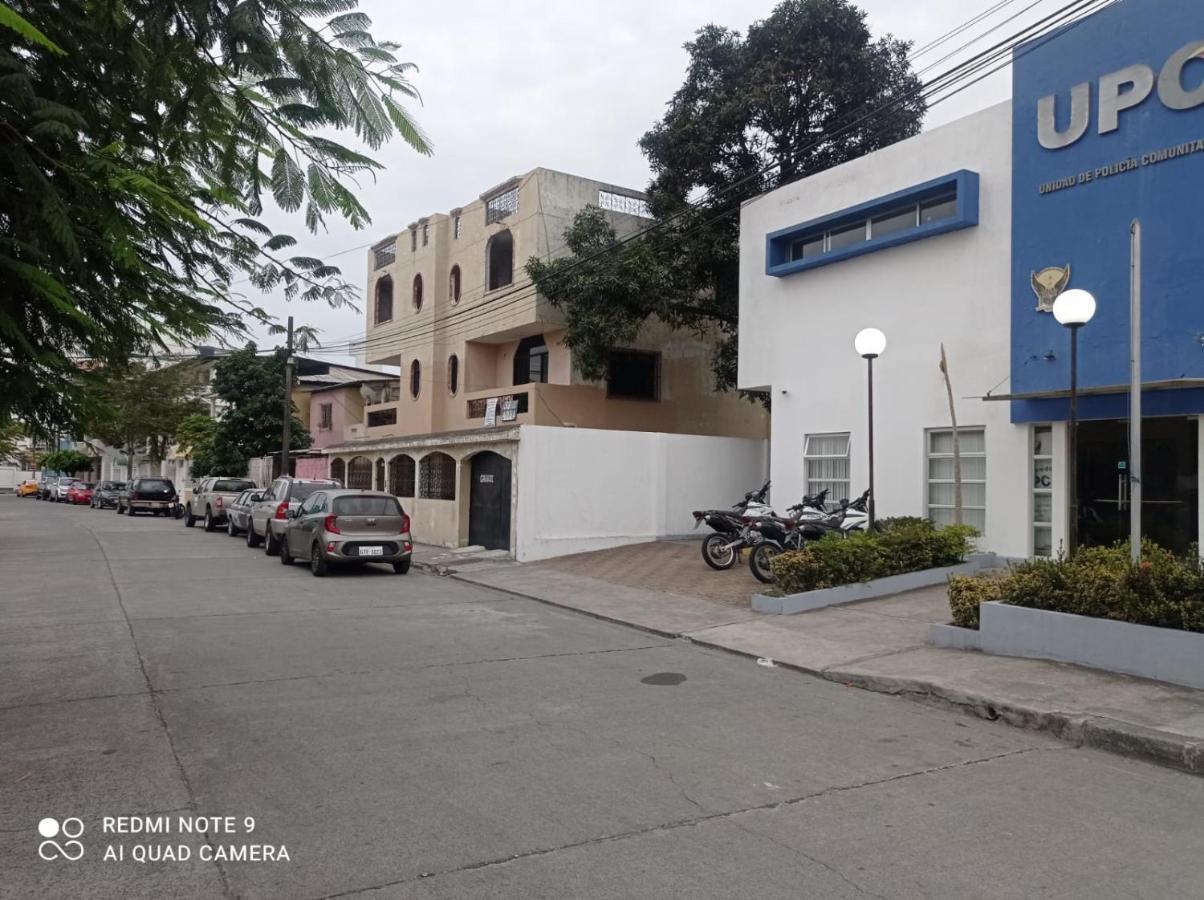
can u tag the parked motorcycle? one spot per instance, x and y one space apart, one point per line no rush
720 550
777 534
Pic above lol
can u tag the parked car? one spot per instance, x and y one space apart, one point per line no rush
347 527
239 510
46 487
60 488
151 494
105 494
210 498
80 492
268 514
27 489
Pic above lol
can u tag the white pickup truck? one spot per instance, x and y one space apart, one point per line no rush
210 498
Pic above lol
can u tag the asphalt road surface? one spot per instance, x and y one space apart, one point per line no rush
413 736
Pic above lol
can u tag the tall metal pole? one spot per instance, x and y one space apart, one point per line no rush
288 401
870 506
1135 394
1072 473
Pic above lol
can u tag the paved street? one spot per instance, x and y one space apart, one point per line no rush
413 736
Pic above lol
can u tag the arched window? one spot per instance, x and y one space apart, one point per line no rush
499 259
453 374
338 470
531 361
453 284
379 484
401 476
415 378
359 473
384 300
417 292
438 481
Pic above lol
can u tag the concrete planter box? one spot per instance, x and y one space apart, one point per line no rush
868 590
954 637
1163 654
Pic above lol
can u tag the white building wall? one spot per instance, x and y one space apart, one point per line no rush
581 489
796 332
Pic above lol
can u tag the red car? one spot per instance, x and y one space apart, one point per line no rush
80 492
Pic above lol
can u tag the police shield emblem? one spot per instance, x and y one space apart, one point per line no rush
1048 284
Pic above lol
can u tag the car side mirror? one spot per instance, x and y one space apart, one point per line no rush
291 513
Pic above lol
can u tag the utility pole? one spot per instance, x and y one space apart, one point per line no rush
288 401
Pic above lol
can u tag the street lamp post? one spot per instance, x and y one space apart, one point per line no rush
1073 309
869 344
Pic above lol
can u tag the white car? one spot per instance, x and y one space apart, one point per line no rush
60 489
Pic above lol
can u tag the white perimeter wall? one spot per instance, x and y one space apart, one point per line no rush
582 489
796 333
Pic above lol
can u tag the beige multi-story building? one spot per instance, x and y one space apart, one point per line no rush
482 354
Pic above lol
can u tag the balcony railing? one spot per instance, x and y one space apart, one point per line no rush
509 406
388 394
384 255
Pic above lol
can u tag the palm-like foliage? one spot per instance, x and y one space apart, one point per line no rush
138 142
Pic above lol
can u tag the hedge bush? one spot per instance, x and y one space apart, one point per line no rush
901 546
1163 590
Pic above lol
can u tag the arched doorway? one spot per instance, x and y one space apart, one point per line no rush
489 502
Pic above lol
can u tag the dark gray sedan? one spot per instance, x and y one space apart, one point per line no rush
347 527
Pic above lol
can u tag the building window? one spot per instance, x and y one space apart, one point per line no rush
384 300
941 485
359 473
499 260
438 477
453 284
456 228
338 470
379 485
382 417
384 255
926 210
415 378
531 361
826 461
326 417
1043 491
413 238
501 205
401 476
453 374
417 293
426 234
633 375
622 203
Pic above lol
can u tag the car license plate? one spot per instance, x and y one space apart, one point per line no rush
372 551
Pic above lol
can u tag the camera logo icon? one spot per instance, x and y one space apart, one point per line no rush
70 828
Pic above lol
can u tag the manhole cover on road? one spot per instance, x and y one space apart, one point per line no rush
664 678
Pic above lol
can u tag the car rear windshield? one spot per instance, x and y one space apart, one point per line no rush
86 485
299 490
366 506
233 485
162 485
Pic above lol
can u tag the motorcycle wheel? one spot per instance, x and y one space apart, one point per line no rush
759 561
716 553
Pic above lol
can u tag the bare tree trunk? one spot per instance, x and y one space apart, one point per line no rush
957 449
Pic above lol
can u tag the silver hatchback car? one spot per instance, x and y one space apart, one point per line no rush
347 526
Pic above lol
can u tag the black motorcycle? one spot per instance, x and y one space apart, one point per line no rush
721 549
776 534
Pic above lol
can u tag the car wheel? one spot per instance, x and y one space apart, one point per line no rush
286 558
271 543
317 562
189 518
230 529
252 537
210 525
400 568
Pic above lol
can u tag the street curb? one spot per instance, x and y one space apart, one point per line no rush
1163 748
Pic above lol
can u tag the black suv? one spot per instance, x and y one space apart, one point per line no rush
152 493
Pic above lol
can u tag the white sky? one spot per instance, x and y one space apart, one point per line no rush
572 86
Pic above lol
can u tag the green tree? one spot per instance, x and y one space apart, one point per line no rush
140 140
805 89
140 409
195 435
70 461
249 383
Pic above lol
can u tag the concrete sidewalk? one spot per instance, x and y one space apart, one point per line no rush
880 645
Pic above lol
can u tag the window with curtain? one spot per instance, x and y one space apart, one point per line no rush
826 459
941 486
